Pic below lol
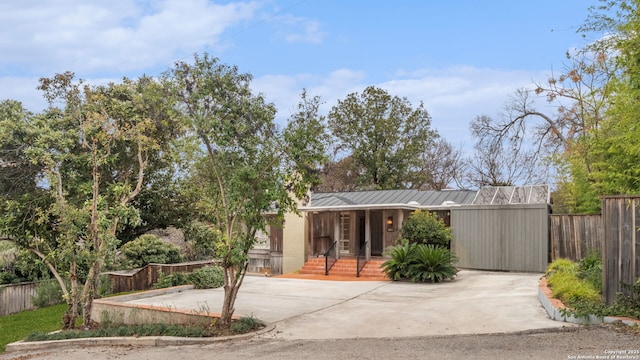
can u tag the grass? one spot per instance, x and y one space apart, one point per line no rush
17 326
34 325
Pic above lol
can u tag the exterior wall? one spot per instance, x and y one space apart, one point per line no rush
505 237
390 237
294 246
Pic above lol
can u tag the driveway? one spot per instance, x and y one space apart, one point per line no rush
477 302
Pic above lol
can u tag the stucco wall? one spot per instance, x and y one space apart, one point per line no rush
293 243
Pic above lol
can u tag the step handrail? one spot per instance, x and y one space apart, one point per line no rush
334 257
361 254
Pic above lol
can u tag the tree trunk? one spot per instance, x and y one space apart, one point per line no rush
233 276
70 316
89 292
230 293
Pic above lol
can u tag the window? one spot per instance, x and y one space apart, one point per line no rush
345 232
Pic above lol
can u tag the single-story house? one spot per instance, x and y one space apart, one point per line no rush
367 222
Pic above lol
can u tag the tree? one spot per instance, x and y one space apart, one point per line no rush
241 165
384 136
614 148
87 161
339 175
501 161
580 96
441 165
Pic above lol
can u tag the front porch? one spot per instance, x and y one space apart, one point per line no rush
349 233
345 267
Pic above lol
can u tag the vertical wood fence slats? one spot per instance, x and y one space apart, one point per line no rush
16 298
621 255
145 277
574 236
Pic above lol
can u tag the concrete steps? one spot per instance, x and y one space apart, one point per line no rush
345 267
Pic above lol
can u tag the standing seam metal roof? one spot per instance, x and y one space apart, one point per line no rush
428 198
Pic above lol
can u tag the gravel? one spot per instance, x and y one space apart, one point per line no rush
585 342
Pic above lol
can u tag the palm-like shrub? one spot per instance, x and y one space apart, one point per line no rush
397 267
430 263
420 263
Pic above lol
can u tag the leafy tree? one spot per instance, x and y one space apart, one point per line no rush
384 135
615 149
424 227
86 161
241 165
148 249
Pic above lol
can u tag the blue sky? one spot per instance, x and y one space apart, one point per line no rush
462 58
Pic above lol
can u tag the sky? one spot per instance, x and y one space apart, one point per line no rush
461 58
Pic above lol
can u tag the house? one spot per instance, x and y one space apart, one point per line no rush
495 228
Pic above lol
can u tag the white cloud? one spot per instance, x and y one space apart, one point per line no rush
453 96
299 29
113 36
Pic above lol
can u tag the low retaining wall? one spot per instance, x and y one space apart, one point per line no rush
554 308
117 310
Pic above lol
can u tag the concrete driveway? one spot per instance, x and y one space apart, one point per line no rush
477 302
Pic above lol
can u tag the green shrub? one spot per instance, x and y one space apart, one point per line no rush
590 269
397 267
105 287
208 277
201 239
432 264
419 263
566 285
175 279
47 293
246 324
424 227
148 249
561 265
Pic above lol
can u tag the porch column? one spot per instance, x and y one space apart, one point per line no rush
336 232
400 219
367 234
311 242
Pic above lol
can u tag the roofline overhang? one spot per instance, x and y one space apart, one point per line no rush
376 207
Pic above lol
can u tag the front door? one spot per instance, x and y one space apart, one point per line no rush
376 233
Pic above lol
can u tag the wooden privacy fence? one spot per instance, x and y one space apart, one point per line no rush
144 278
574 236
17 297
621 248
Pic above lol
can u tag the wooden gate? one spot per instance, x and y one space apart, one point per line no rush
501 237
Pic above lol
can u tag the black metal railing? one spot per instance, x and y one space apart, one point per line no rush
330 254
361 254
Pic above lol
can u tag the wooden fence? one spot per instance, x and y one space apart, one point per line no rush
145 277
621 249
16 298
574 236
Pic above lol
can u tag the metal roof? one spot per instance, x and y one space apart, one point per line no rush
385 199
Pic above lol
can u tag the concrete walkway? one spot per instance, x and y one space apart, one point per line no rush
476 302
